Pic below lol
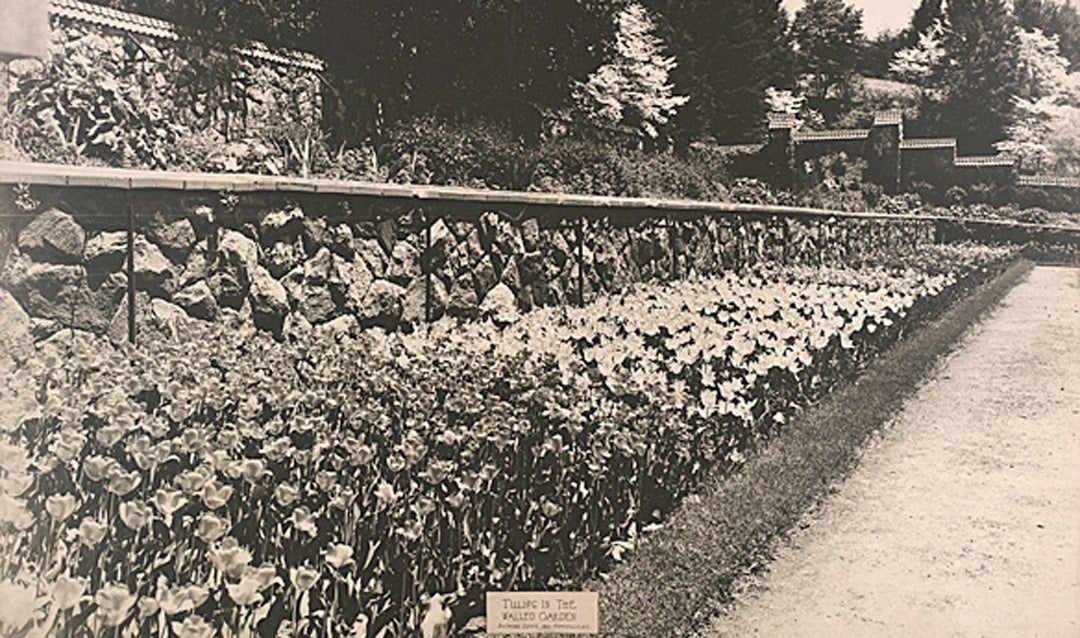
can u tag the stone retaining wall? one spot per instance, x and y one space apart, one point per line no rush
289 263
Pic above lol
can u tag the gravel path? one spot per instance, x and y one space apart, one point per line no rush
963 517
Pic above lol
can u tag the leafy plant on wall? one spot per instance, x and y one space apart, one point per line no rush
94 95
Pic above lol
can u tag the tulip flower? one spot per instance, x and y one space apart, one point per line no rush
250 469
190 482
97 468
179 600
60 506
395 463
193 627
122 483
91 532
286 494
135 514
303 578
265 575
68 444
344 498
362 455
211 527
325 480
215 495
113 604
436 621
148 607
109 435
303 520
168 501
245 593
13 458
230 558
339 555
385 493
18 609
67 592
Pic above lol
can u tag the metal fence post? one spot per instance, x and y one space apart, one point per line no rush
785 238
428 220
581 259
673 247
131 269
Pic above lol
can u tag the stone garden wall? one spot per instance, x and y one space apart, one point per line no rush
130 90
288 263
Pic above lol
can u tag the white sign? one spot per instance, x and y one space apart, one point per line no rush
538 612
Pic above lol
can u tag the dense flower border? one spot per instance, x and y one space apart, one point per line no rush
229 485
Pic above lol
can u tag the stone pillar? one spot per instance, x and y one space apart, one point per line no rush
883 150
26 29
779 151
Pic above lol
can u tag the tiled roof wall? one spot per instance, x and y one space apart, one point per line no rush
155 28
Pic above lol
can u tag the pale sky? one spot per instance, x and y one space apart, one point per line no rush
878 15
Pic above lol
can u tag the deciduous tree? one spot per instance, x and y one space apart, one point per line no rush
827 35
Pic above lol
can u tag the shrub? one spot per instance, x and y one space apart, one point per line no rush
578 166
749 190
92 99
835 181
901 204
430 150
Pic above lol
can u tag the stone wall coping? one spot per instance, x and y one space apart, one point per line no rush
40 174
1048 180
920 143
986 160
834 135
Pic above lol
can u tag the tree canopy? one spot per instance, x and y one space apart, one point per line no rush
632 89
702 69
828 36
729 53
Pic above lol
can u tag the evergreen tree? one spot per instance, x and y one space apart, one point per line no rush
633 89
503 59
979 74
877 53
927 14
729 53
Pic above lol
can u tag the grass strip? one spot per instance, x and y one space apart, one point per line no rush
681 574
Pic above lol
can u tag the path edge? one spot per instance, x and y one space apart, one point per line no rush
682 575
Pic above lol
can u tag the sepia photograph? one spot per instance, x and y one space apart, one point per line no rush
467 318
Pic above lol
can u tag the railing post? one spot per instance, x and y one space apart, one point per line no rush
427 219
785 238
581 259
740 240
673 245
130 269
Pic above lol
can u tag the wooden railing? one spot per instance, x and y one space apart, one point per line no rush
13 173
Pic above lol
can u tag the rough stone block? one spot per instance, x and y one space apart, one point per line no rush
53 236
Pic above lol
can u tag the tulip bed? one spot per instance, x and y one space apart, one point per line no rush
230 485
